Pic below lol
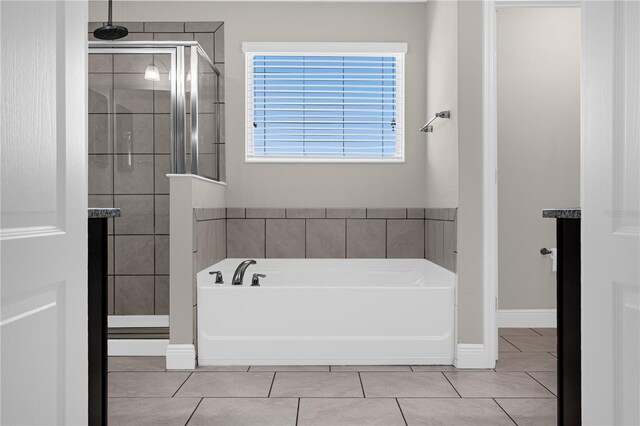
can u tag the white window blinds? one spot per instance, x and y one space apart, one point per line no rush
325 103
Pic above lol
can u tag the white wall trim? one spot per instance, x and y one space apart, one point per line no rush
181 357
470 356
526 318
490 185
538 3
195 177
137 347
323 47
490 170
125 321
328 1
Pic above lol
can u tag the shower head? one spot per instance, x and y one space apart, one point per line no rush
110 31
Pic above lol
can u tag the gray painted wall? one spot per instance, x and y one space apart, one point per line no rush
441 167
308 185
538 145
470 242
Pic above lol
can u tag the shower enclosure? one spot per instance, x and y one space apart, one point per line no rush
183 82
154 109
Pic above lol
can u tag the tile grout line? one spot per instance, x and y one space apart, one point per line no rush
272 381
401 412
454 388
346 238
538 381
194 411
153 150
298 412
505 411
364 395
180 387
386 240
502 337
513 344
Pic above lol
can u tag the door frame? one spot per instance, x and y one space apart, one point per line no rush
490 164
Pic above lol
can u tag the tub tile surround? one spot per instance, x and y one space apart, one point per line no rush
121 102
210 239
144 393
343 233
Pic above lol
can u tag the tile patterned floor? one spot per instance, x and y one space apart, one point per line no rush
520 391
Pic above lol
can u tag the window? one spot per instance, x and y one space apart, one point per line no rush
324 102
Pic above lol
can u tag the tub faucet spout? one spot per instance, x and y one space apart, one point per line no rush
238 275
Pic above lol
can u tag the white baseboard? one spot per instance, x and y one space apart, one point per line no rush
181 357
125 321
213 361
526 318
470 356
137 347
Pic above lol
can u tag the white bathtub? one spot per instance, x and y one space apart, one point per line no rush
327 312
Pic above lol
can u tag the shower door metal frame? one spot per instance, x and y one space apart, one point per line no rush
178 94
195 108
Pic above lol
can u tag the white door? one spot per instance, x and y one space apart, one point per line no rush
43 287
611 218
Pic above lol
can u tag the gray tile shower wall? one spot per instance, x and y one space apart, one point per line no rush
441 237
343 233
129 157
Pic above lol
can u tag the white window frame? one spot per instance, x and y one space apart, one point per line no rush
398 50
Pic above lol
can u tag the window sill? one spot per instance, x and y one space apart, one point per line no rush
276 160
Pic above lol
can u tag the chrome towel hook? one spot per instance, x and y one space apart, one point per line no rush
428 128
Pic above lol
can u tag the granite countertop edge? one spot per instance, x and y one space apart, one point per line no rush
103 212
567 213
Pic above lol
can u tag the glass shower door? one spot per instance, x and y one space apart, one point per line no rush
131 127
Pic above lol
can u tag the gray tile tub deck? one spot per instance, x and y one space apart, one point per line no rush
521 390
